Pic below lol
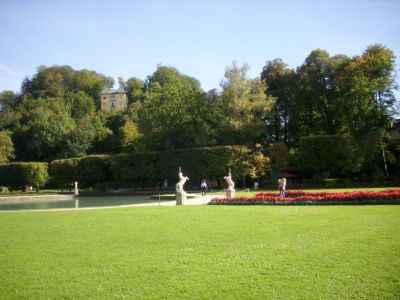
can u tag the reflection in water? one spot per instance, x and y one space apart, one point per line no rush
80 202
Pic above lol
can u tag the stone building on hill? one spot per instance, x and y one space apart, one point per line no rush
113 100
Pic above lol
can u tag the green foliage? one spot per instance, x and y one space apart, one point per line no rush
246 104
93 170
130 136
167 75
259 165
21 174
6 147
279 155
44 127
64 171
281 82
57 115
328 153
57 81
196 163
134 88
170 117
8 100
79 104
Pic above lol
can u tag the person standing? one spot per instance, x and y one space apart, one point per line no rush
203 186
280 187
283 187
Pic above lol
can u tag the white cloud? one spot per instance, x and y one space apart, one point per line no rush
7 70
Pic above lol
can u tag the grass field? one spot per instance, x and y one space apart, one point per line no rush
202 252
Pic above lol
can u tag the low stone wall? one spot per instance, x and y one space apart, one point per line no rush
32 199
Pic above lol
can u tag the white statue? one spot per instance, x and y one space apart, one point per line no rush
231 184
230 191
76 190
179 185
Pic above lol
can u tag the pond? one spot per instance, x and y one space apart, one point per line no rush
86 202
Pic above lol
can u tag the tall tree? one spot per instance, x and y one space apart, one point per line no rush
246 104
167 118
6 147
8 100
134 88
44 126
57 81
164 75
281 84
321 98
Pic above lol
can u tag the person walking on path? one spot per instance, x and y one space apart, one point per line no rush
203 186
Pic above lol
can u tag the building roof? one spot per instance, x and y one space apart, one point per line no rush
108 91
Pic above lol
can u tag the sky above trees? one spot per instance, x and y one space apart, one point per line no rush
200 38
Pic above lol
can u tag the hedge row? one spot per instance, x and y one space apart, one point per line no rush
150 167
23 174
91 170
136 168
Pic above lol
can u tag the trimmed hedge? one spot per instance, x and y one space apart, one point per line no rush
90 170
150 167
64 171
94 170
22 174
196 163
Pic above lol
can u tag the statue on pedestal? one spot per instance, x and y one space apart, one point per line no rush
230 191
180 193
76 189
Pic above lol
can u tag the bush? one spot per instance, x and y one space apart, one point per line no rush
93 170
151 167
196 163
22 174
64 171
327 154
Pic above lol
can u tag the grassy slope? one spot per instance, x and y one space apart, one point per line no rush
202 252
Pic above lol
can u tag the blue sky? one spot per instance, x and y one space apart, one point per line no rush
200 38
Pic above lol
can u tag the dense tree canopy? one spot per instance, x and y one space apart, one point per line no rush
57 112
246 104
6 147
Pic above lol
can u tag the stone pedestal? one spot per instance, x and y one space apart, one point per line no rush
181 198
230 193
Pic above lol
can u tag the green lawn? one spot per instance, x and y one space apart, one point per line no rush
202 252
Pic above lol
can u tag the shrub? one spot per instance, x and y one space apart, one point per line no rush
93 170
64 171
21 174
327 154
196 163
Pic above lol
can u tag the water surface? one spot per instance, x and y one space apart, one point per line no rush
81 202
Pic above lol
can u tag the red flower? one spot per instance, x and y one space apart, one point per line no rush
301 197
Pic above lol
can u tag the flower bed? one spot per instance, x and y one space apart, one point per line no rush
305 198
